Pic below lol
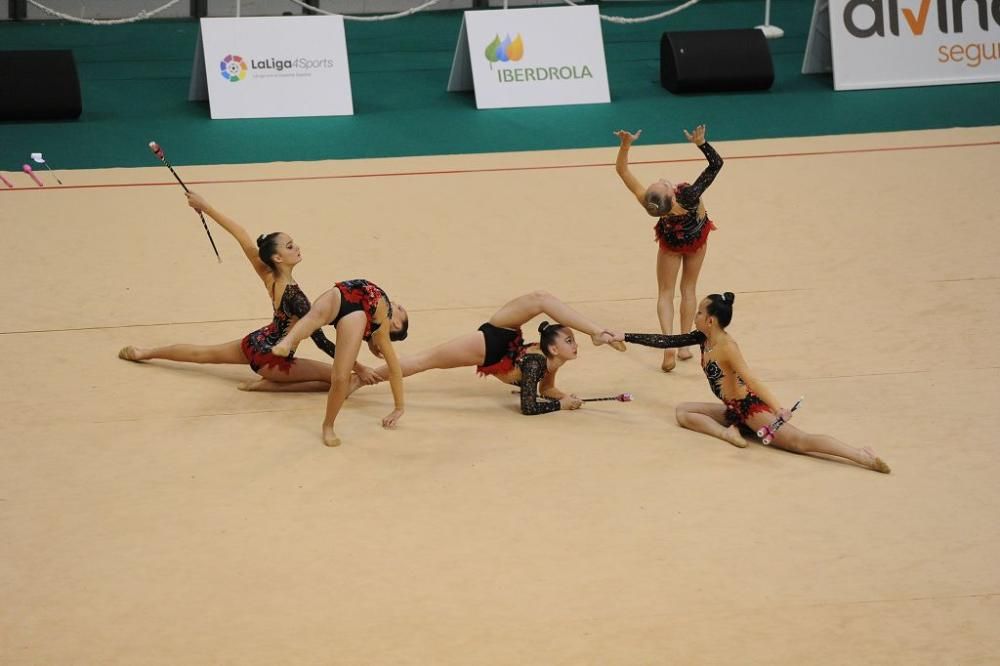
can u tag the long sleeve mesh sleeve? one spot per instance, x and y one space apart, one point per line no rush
662 341
324 343
690 195
532 371
296 304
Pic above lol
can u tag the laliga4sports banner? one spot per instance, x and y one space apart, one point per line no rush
531 57
892 43
276 66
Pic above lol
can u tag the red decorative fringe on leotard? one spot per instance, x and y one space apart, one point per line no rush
663 238
259 359
740 411
515 350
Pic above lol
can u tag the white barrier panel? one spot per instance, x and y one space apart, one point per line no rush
531 57
275 67
894 43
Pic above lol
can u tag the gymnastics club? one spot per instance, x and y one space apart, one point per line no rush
155 147
767 432
5 181
38 159
621 397
27 169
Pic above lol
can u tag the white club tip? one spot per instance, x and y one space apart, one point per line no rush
771 31
38 158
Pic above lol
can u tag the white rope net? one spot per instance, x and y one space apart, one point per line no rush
144 15
141 16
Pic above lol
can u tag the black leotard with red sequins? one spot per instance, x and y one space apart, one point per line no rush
738 410
687 232
361 295
294 304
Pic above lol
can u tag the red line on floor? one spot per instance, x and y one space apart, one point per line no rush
57 188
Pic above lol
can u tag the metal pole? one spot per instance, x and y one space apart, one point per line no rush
770 31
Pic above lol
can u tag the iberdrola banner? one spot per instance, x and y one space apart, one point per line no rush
531 57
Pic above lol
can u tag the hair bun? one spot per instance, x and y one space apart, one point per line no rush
544 325
261 240
729 297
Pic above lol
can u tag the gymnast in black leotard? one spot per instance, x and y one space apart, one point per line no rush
497 349
681 230
360 311
746 400
257 345
273 258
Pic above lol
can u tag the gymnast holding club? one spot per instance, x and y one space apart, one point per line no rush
498 349
746 401
273 257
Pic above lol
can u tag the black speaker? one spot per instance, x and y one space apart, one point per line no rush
715 61
39 85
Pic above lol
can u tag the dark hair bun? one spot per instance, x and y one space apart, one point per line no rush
261 240
729 297
544 325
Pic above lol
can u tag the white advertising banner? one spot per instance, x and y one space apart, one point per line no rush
531 57
893 43
276 66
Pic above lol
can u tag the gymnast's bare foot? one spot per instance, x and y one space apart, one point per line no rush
610 338
282 348
669 360
733 436
330 437
875 463
130 353
684 354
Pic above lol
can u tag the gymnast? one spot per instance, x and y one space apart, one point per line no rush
498 349
360 310
273 257
746 400
681 231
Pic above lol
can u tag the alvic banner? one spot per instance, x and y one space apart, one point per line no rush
276 66
532 57
893 43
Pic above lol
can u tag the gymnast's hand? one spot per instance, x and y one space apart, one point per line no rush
627 137
697 137
784 414
367 375
197 202
393 418
570 402
613 338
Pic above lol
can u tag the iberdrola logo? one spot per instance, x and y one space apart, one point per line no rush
233 68
506 50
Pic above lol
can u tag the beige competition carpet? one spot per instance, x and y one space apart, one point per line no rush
154 514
